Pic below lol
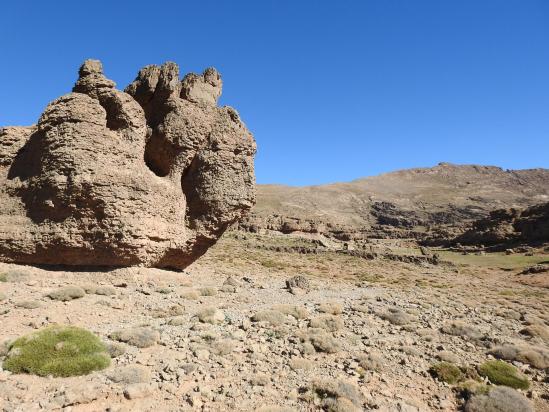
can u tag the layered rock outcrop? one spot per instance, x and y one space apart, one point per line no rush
510 226
149 176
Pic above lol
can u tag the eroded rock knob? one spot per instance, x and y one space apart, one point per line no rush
203 89
91 78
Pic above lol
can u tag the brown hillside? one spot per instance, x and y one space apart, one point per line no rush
410 202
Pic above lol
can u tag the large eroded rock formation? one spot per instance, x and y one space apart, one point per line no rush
150 176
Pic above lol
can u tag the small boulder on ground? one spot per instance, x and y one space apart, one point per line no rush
539 268
67 293
138 390
130 374
298 285
105 290
230 281
28 304
141 337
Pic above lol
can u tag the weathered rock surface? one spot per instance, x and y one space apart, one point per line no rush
150 176
510 226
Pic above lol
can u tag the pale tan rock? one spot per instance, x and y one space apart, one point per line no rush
138 390
151 176
130 374
205 88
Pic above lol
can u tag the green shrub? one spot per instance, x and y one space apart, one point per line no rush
57 351
446 372
502 373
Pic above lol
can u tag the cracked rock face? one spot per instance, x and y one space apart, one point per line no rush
150 176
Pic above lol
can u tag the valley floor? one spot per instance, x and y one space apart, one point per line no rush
373 328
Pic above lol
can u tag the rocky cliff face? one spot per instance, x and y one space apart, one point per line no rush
150 176
509 226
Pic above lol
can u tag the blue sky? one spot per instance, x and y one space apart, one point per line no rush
332 90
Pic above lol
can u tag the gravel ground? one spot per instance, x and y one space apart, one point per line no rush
228 335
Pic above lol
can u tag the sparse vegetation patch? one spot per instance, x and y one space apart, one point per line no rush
337 395
273 317
461 328
446 372
396 316
327 322
502 373
59 351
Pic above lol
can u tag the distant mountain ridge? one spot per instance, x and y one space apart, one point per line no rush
420 202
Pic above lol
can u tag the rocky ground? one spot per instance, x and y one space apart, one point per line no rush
228 334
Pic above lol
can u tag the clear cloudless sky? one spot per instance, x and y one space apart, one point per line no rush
332 90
